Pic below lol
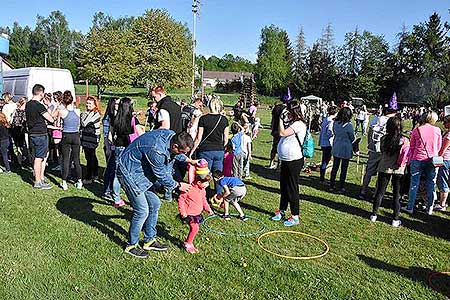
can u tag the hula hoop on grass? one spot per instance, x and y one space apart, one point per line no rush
209 229
327 248
432 275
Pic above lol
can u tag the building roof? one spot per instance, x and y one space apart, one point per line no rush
7 63
225 76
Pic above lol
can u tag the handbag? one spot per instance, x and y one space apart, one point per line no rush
437 161
135 133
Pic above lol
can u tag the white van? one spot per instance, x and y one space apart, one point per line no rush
20 82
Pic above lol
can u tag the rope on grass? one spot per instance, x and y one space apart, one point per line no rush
327 248
432 275
209 229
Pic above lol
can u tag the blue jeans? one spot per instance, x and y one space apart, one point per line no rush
145 215
326 157
443 177
214 159
110 173
116 183
215 162
417 168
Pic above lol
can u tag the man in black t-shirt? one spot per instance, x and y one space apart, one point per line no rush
37 117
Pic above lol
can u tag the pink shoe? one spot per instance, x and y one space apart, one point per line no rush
190 248
119 204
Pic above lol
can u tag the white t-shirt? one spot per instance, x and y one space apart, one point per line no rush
246 141
8 110
163 115
289 148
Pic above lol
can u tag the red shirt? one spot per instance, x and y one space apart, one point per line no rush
193 202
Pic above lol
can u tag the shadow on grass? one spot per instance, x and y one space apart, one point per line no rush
417 274
82 209
434 225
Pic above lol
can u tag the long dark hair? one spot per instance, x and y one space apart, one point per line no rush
295 111
344 115
124 114
110 108
391 141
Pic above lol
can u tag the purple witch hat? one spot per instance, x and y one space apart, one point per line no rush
287 97
393 105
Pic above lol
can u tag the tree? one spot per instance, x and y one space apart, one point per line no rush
107 57
164 50
20 50
272 69
300 74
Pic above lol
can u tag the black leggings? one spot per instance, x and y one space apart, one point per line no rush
382 183
91 163
289 192
70 144
334 170
4 148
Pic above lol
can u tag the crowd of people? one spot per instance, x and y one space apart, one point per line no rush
51 129
411 164
151 165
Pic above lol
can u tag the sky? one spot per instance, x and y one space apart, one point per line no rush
234 26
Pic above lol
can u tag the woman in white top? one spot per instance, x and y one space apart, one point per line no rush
291 157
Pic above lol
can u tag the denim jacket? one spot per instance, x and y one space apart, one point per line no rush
147 160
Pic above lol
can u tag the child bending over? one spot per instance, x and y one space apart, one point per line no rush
233 191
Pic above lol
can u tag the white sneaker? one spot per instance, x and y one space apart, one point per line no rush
396 223
79 185
440 207
430 210
64 186
373 218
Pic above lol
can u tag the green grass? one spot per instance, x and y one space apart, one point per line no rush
68 245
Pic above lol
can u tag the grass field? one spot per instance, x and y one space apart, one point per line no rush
68 245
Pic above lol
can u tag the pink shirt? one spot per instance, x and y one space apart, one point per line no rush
227 164
431 136
193 202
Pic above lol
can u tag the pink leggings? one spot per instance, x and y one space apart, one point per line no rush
194 227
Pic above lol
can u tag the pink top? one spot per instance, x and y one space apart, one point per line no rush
446 154
193 202
228 164
431 136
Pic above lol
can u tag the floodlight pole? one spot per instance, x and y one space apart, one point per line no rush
194 44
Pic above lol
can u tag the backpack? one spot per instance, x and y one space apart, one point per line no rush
18 119
186 116
378 131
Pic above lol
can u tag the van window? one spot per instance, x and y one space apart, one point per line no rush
20 88
8 86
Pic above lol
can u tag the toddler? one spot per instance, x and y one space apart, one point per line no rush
228 160
256 126
191 205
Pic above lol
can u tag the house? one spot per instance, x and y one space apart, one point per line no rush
212 78
6 65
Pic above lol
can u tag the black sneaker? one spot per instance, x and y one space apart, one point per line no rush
155 246
226 217
243 218
135 251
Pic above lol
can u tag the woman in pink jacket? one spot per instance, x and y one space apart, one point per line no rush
426 142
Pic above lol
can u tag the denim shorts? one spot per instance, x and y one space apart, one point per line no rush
39 145
443 177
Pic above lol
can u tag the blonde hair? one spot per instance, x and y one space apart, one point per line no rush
215 105
431 117
22 101
7 97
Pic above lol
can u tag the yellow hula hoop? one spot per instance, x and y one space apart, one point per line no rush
293 257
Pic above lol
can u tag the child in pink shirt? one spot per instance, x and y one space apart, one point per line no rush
228 160
191 205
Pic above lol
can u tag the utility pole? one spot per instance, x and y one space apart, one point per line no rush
194 43
203 86
59 55
45 59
